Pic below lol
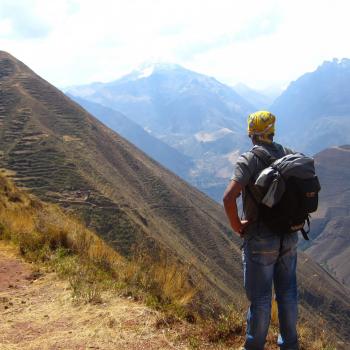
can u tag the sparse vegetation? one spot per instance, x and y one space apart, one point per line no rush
312 338
45 234
230 324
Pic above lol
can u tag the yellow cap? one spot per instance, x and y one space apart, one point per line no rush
261 124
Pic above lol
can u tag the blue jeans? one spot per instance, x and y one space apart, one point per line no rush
268 258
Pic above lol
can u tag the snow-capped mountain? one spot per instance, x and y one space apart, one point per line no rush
149 68
180 107
169 97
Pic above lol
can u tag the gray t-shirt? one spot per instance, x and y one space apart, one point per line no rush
247 169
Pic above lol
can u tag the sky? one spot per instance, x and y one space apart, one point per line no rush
262 43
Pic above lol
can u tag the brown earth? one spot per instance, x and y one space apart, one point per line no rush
14 274
38 313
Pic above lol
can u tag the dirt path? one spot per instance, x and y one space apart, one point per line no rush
14 274
37 313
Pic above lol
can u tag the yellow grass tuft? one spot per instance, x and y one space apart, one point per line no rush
274 312
44 232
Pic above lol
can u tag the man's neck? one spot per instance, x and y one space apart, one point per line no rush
262 143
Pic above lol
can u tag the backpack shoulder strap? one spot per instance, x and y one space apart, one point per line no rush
288 150
263 155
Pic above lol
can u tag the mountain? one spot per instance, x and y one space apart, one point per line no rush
169 98
255 98
156 149
196 170
62 154
314 111
194 113
273 91
330 245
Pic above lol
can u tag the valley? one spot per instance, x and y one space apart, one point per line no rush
55 149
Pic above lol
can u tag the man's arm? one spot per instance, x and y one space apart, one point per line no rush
231 194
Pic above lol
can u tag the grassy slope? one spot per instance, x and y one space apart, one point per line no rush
86 305
132 198
64 155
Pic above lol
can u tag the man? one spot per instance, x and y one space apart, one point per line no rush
268 257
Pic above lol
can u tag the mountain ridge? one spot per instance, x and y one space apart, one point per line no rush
176 105
64 155
314 111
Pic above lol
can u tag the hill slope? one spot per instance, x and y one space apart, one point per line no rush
64 155
79 293
314 112
153 147
331 243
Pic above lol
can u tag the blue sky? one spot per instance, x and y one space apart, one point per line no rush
259 42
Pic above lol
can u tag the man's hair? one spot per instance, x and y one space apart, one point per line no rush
256 138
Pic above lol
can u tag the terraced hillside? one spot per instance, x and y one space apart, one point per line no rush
331 243
64 155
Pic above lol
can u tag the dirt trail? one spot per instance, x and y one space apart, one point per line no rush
37 313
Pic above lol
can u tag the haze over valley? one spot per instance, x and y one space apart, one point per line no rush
130 198
120 126
205 120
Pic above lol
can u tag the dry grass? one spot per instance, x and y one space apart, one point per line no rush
315 338
228 326
42 316
44 233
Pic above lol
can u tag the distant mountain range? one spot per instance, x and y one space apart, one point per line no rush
205 120
314 111
167 98
199 116
63 154
255 98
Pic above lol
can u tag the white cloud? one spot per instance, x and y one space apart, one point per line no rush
22 22
258 42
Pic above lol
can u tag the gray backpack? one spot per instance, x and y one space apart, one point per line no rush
290 192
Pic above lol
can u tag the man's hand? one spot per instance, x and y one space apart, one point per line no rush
242 224
232 192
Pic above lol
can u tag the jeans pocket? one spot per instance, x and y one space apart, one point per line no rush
263 251
264 257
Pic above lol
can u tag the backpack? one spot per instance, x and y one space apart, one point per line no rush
300 197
